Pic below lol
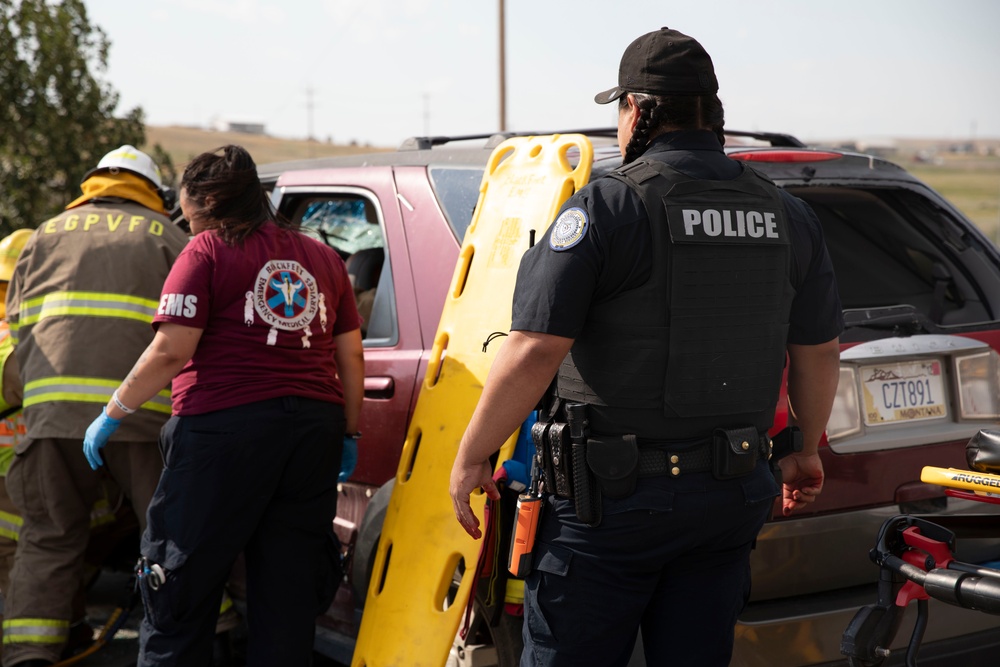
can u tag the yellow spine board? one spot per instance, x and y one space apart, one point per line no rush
955 478
407 620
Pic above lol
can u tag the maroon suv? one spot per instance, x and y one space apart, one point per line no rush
920 285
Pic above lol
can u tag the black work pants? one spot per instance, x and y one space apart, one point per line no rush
673 559
259 478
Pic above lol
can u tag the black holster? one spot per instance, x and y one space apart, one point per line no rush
586 495
787 441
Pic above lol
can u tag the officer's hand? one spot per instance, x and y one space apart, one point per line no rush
465 478
802 481
349 459
97 436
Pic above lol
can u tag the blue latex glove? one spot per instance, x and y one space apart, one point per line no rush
348 459
97 436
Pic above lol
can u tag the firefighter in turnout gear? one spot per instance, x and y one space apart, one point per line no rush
103 514
11 423
80 303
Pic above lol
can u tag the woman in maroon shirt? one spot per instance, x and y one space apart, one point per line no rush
258 331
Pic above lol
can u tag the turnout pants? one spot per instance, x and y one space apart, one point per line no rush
54 490
259 478
673 558
103 525
10 528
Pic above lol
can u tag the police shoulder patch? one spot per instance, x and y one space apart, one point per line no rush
568 229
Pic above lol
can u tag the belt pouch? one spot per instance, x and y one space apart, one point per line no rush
615 463
734 451
540 436
559 455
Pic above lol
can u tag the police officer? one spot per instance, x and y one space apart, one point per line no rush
664 300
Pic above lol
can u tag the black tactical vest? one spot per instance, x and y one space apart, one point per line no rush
702 343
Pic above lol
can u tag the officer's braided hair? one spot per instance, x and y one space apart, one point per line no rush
239 202
676 112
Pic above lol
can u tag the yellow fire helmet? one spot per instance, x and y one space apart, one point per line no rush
10 249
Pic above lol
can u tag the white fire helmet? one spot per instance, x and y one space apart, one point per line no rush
129 158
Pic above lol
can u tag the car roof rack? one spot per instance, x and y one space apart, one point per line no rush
775 139
426 143
494 139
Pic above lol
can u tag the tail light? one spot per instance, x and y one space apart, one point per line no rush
784 156
978 385
845 418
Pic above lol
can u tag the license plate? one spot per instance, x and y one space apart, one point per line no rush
903 392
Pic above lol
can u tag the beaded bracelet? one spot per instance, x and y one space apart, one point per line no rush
121 406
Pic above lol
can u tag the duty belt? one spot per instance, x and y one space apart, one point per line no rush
652 458
658 459
588 469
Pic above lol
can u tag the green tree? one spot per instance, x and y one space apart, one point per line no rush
56 113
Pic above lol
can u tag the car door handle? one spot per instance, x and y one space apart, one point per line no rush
379 387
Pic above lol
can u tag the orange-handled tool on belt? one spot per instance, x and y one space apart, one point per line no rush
529 511
529 508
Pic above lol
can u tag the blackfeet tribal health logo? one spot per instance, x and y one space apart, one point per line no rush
285 296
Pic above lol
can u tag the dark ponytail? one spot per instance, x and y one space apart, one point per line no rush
679 112
239 202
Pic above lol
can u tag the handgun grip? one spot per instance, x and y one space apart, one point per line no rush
576 418
785 442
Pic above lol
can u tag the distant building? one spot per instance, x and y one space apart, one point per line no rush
880 146
244 127
247 128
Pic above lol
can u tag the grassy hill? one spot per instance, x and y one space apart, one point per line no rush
972 186
184 143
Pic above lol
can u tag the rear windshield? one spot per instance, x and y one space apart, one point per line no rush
891 246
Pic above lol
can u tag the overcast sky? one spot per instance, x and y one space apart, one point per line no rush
378 71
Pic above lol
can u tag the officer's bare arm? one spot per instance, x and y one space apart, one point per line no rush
522 370
813 371
171 348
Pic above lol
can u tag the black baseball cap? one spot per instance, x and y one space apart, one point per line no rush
663 62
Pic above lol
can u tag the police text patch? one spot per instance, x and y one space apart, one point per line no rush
697 224
568 229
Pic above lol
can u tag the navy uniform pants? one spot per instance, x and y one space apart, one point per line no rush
259 478
673 559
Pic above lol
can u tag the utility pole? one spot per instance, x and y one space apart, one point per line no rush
309 113
503 73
